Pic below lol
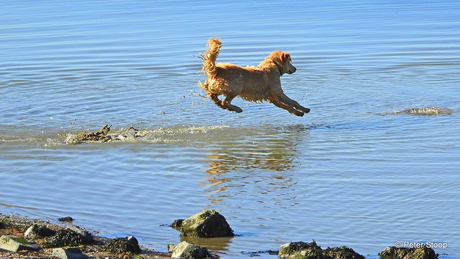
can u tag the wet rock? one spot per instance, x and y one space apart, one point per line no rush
38 231
123 245
103 136
66 219
69 237
68 253
207 223
186 250
392 252
15 244
177 223
342 252
301 250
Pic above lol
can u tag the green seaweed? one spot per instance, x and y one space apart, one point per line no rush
20 240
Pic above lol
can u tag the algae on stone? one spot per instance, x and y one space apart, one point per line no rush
300 250
69 237
207 223
392 252
342 252
14 244
103 136
186 250
123 245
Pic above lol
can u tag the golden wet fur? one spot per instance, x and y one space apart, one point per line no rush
255 84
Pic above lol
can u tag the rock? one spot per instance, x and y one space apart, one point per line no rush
177 223
38 231
66 219
423 252
103 136
342 252
171 248
14 244
300 250
207 223
123 245
69 237
86 235
68 253
186 250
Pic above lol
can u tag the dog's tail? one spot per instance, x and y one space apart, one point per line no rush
209 57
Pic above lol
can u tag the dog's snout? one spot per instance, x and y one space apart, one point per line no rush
292 69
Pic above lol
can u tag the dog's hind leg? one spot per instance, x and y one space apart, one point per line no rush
288 108
293 103
226 104
215 99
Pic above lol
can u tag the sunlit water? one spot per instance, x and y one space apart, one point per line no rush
350 173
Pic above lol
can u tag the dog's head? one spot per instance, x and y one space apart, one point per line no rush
283 61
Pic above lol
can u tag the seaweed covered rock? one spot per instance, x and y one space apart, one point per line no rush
103 136
38 231
123 245
300 250
177 223
342 252
186 250
392 252
69 237
207 223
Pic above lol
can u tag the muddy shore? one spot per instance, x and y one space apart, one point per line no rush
17 226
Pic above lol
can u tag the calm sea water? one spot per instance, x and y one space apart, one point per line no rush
349 173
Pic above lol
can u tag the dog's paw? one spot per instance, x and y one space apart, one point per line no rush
299 113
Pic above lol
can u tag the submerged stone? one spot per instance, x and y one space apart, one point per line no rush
392 252
186 250
66 219
15 244
123 245
207 223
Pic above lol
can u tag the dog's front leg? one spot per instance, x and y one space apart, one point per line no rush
293 103
288 108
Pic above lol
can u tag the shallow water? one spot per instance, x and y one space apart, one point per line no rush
349 173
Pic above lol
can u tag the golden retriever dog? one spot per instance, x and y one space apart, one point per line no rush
255 84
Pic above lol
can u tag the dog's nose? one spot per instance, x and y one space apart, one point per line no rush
292 70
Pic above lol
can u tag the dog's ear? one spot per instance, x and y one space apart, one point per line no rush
285 57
